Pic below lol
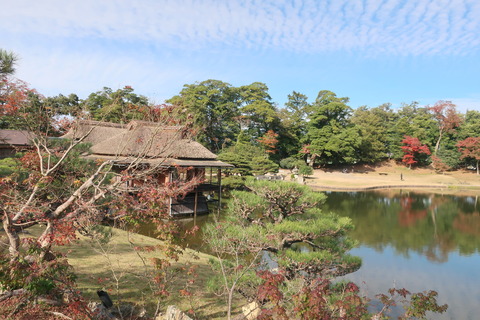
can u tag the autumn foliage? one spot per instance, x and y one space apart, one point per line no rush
269 141
470 148
413 148
13 95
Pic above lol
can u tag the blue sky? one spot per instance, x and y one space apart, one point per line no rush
372 51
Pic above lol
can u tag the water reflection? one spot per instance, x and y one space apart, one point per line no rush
432 225
417 241
412 240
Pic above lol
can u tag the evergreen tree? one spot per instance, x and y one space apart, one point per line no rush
7 63
284 222
331 137
214 107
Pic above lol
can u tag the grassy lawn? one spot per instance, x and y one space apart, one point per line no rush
115 266
123 272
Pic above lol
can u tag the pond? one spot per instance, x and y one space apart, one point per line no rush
417 241
413 240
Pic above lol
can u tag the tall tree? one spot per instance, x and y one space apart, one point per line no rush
471 126
214 107
388 118
117 106
414 121
373 134
447 119
297 108
8 61
331 136
258 112
293 120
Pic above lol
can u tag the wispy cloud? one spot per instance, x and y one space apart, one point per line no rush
398 27
465 104
371 50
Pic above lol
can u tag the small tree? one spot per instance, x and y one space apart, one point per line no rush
412 149
276 217
248 159
447 119
470 148
262 165
269 141
439 165
326 300
237 251
305 170
58 190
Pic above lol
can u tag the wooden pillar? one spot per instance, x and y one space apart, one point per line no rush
219 176
170 178
211 174
195 207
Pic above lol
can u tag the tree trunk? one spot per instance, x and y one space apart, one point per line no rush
229 307
312 159
12 235
45 238
437 145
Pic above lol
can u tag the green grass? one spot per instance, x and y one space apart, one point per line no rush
116 267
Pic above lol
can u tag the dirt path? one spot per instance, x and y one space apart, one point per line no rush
391 175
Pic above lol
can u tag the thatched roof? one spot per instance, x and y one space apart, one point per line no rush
139 139
15 137
163 162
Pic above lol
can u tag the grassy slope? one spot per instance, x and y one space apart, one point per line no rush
99 265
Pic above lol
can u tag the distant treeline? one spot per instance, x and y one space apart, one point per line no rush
243 123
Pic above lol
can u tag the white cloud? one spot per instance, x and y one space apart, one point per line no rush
392 26
464 104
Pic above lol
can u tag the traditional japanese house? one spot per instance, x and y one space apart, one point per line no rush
12 141
165 150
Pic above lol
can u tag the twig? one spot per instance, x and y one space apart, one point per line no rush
58 314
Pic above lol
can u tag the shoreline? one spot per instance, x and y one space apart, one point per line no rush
392 176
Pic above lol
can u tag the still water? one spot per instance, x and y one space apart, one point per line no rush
413 240
417 241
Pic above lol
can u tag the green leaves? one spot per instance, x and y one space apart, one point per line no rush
248 159
8 61
332 138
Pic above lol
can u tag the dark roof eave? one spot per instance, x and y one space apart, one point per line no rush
165 162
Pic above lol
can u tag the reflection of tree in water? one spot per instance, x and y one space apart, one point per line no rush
407 215
432 225
468 223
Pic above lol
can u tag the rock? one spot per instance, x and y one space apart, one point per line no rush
173 313
100 311
126 310
251 311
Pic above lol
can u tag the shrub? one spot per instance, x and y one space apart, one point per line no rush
305 170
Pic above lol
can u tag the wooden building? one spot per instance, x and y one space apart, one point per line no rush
12 141
164 150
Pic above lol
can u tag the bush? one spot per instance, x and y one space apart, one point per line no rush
305 170
290 163
450 158
262 165
233 182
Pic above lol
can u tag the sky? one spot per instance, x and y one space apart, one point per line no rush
372 51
